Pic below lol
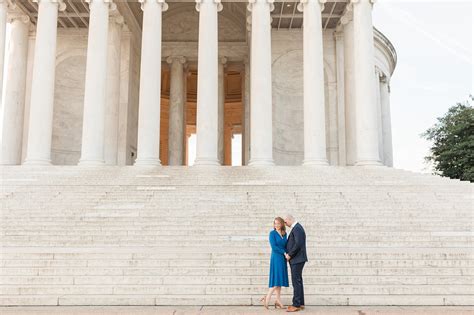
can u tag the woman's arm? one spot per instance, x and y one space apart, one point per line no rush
274 245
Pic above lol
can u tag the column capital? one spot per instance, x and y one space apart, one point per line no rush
117 18
164 5
303 3
180 59
380 74
353 2
383 77
222 60
248 21
269 2
358 1
9 4
217 2
61 4
348 15
11 17
111 4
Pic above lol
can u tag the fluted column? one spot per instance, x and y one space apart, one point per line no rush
113 90
148 150
95 94
221 111
365 97
386 121
313 97
176 111
341 111
207 89
246 114
261 142
378 74
3 27
349 86
40 128
13 108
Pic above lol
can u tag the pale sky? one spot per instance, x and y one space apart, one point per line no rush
433 40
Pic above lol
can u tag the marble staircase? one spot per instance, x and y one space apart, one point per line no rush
73 235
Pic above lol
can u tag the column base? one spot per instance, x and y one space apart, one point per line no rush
261 162
37 162
206 162
368 163
316 162
91 163
8 163
147 162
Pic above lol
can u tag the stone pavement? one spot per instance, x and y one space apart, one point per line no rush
223 310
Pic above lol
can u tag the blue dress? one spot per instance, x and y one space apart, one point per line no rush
278 268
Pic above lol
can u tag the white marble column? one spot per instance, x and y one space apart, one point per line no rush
261 142
148 148
95 94
386 121
113 90
13 108
4 4
207 86
378 74
365 97
349 87
341 112
40 128
221 110
313 87
176 122
246 118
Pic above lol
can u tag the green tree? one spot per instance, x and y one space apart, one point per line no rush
452 151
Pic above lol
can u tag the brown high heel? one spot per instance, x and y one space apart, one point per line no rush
279 305
264 300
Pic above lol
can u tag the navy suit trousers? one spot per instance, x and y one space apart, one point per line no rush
297 280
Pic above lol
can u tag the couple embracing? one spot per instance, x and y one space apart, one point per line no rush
287 247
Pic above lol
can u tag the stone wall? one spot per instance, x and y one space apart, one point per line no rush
287 97
69 98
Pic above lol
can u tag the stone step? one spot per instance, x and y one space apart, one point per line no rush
233 280
126 299
223 240
229 271
79 243
34 253
318 263
128 235
229 289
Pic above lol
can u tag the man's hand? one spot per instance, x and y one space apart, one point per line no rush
287 257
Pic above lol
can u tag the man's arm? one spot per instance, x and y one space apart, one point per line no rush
297 234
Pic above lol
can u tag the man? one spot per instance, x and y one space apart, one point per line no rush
296 256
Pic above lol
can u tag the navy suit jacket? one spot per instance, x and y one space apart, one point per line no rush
296 245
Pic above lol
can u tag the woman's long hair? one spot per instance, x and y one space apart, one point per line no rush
282 222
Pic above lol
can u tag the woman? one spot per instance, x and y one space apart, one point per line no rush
278 270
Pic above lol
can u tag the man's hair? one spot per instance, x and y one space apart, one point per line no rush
291 217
